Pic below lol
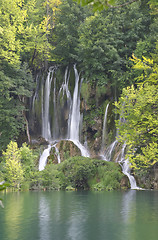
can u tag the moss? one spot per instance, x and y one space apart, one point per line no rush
70 188
85 173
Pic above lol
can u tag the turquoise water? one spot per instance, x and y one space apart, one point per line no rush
131 215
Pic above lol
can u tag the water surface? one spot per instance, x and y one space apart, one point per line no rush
131 215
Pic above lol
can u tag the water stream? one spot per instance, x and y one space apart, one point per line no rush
67 121
43 158
126 168
104 132
107 154
46 131
73 122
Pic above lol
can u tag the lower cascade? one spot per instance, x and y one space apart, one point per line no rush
107 154
43 158
126 168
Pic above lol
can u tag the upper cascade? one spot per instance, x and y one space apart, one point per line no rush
46 130
104 132
74 116
60 109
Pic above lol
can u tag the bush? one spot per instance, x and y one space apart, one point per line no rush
86 173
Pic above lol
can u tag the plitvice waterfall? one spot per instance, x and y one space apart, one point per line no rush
60 112
56 116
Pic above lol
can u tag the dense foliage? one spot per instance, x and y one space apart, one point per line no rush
138 125
20 171
35 34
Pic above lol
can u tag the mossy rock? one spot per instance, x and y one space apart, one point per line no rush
70 188
52 157
67 149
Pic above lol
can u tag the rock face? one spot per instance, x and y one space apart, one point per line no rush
149 180
125 183
66 149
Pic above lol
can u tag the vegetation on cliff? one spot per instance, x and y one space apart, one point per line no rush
19 168
36 34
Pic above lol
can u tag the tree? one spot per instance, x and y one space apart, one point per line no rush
15 85
12 18
65 36
107 40
138 109
100 5
13 168
27 160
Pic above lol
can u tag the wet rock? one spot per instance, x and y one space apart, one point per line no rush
125 182
67 149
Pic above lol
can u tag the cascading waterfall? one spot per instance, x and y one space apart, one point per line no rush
46 131
75 114
110 149
45 155
107 154
66 121
64 104
57 153
72 106
104 133
126 168
43 158
35 95
55 118
74 118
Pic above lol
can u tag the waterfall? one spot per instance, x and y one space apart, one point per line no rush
75 114
46 130
67 120
104 133
74 118
126 168
55 117
57 153
35 95
43 158
107 154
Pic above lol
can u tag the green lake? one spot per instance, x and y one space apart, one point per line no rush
81 215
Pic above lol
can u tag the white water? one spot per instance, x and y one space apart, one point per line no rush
126 169
104 133
74 120
83 149
46 131
107 155
75 114
55 117
43 158
57 153
73 123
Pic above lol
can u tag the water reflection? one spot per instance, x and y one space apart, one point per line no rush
12 216
44 218
128 214
131 215
128 206
77 218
